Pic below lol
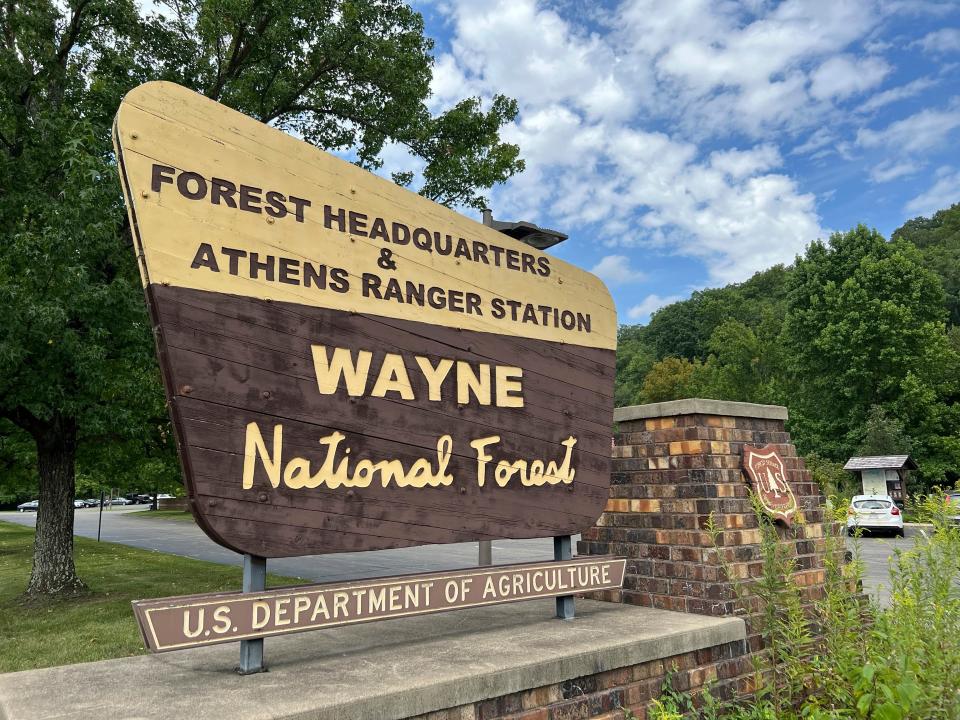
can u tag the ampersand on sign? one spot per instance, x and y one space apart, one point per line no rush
386 260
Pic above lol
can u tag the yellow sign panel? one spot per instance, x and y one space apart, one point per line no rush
255 212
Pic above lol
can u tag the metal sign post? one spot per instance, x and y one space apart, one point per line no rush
254 580
563 550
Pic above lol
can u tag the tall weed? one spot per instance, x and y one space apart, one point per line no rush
843 656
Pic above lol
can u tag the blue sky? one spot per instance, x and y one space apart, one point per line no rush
685 144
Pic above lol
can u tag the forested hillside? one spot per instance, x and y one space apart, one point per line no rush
859 338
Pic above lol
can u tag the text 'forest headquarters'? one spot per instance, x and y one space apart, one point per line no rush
295 271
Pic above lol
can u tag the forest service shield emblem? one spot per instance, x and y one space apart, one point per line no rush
768 475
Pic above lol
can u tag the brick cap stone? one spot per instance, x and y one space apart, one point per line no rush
700 406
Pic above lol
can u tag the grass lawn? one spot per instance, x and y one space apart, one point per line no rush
99 625
162 514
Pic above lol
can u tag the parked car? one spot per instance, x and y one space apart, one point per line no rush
874 512
30 506
165 496
118 501
79 504
91 502
952 501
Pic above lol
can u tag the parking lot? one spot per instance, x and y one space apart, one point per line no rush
875 551
182 537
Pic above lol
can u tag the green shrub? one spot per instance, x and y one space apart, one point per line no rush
921 508
830 476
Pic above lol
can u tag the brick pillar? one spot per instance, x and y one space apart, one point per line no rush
676 462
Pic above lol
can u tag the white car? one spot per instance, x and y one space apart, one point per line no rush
874 512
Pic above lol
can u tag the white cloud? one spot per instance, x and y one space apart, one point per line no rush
891 170
940 42
942 194
817 141
713 67
844 75
933 8
616 270
744 66
534 55
554 134
642 311
588 100
910 89
449 84
728 211
921 131
742 163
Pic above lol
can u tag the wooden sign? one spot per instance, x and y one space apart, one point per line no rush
190 621
768 476
348 365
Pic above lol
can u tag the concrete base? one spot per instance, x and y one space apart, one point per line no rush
380 671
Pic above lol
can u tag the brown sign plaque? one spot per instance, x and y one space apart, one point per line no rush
348 365
768 476
190 621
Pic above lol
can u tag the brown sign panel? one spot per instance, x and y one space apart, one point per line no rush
184 622
348 365
768 475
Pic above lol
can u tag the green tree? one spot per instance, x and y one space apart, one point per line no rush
742 363
77 371
18 465
350 76
938 239
683 329
675 330
883 435
634 360
830 476
865 328
672 379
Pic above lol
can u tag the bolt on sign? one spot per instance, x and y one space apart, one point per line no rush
190 621
348 365
768 476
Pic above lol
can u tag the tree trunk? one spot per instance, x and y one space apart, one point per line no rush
54 572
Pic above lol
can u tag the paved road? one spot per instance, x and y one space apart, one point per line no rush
183 537
875 553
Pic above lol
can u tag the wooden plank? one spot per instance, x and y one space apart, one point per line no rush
215 314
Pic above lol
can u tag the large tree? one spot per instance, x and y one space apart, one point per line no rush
864 334
744 362
938 238
76 362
